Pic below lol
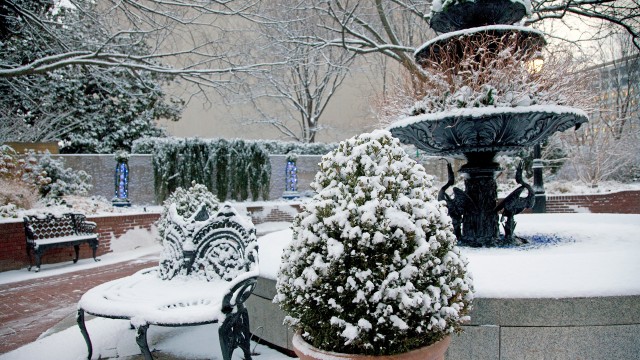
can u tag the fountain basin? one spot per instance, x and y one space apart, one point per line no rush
492 38
466 14
490 129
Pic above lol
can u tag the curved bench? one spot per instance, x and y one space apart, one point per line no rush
208 269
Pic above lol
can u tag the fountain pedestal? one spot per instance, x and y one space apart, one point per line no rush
480 220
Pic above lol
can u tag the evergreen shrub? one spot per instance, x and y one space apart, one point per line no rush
62 181
187 202
373 267
235 169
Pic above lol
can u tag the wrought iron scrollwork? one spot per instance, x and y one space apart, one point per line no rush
234 331
85 334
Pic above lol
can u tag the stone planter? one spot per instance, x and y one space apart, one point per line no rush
432 352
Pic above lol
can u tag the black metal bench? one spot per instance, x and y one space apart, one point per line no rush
208 268
49 231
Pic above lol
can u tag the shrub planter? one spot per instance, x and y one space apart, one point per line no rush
372 268
432 352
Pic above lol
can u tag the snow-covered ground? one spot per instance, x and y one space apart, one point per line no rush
115 339
597 257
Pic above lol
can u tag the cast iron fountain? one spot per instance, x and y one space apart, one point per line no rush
480 133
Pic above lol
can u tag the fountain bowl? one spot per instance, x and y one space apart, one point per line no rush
467 14
490 129
524 41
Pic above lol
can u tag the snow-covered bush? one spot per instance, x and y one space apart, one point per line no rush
187 202
24 179
20 179
21 167
373 267
62 181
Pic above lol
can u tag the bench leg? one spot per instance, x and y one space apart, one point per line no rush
94 248
234 332
29 249
141 339
38 252
76 248
83 330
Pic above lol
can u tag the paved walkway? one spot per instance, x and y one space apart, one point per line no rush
30 308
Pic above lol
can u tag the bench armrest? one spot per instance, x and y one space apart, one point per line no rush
28 230
87 227
239 291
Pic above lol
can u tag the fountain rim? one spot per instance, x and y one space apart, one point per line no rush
448 119
477 30
480 113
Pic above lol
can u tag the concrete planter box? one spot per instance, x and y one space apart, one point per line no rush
566 328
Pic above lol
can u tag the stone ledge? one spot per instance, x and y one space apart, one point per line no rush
585 311
570 328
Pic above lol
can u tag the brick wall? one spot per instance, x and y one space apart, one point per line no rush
13 248
279 213
623 202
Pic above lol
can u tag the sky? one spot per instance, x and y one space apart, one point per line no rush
589 255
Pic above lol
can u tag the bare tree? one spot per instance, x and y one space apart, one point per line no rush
608 16
393 28
609 144
390 28
292 97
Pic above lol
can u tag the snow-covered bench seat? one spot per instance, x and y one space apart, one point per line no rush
208 268
50 231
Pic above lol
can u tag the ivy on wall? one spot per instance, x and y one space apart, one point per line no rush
235 169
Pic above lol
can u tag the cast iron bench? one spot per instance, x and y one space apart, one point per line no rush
208 268
49 231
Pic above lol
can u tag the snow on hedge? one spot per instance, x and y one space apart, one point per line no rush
373 267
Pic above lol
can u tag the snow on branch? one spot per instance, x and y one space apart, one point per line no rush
485 71
186 39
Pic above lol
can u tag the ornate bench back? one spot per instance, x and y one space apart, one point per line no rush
49 226
220 246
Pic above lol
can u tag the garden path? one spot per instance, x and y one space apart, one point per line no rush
31 307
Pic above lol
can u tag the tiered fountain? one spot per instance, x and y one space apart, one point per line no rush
476 33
